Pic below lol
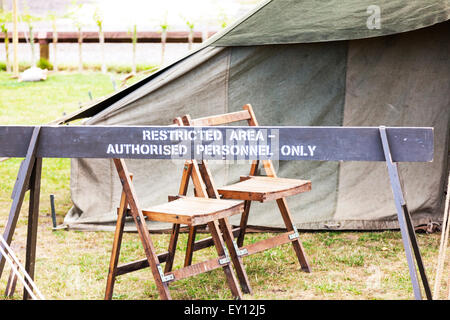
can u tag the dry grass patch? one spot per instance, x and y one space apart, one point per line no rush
347 265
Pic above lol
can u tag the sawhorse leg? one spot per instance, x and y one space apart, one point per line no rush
405 223
30 171
33 218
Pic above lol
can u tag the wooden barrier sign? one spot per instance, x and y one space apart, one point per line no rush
389 144
257 143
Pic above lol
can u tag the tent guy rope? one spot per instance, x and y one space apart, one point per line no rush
13 262
443 245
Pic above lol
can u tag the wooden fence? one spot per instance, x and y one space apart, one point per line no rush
46 37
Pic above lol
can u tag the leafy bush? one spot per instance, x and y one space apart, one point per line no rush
115 68
144 67
23 66
44 64
119 68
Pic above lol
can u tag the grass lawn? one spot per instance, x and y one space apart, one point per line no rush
74 265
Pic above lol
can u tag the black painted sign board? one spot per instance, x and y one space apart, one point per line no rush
389 144
256 143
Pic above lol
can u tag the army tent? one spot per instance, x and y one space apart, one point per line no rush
308 63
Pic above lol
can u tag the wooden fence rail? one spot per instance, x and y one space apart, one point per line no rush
46 37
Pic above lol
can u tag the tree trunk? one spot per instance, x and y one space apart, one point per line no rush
205 34
55 41
190 38
33 55
80 56
133 67
15 41
8 65
102 48
163 45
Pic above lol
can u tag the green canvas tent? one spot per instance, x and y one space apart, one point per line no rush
308 63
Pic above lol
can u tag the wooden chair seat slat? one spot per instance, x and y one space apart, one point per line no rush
260 188
193 211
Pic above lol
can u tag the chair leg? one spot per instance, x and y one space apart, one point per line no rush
243 223
298 248
172 247
142 229
190 246
235 258
121 216
152 258
220 247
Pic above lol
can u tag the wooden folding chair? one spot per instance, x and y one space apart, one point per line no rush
190 211
252 188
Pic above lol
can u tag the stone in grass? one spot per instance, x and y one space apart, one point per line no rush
33 74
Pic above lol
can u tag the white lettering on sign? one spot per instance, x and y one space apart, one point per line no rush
234 150
181 135
152 149
311 150
209 142
246 135
298 150
154 135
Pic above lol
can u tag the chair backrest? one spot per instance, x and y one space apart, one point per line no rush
201 176
226 118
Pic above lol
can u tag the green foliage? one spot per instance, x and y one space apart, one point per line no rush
53 16
28 18
44 101
98 18
114 68
223 19
127 69
5 17
22 66
190 25
133 33
73 13
44 64
164 24
351 260
188 22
